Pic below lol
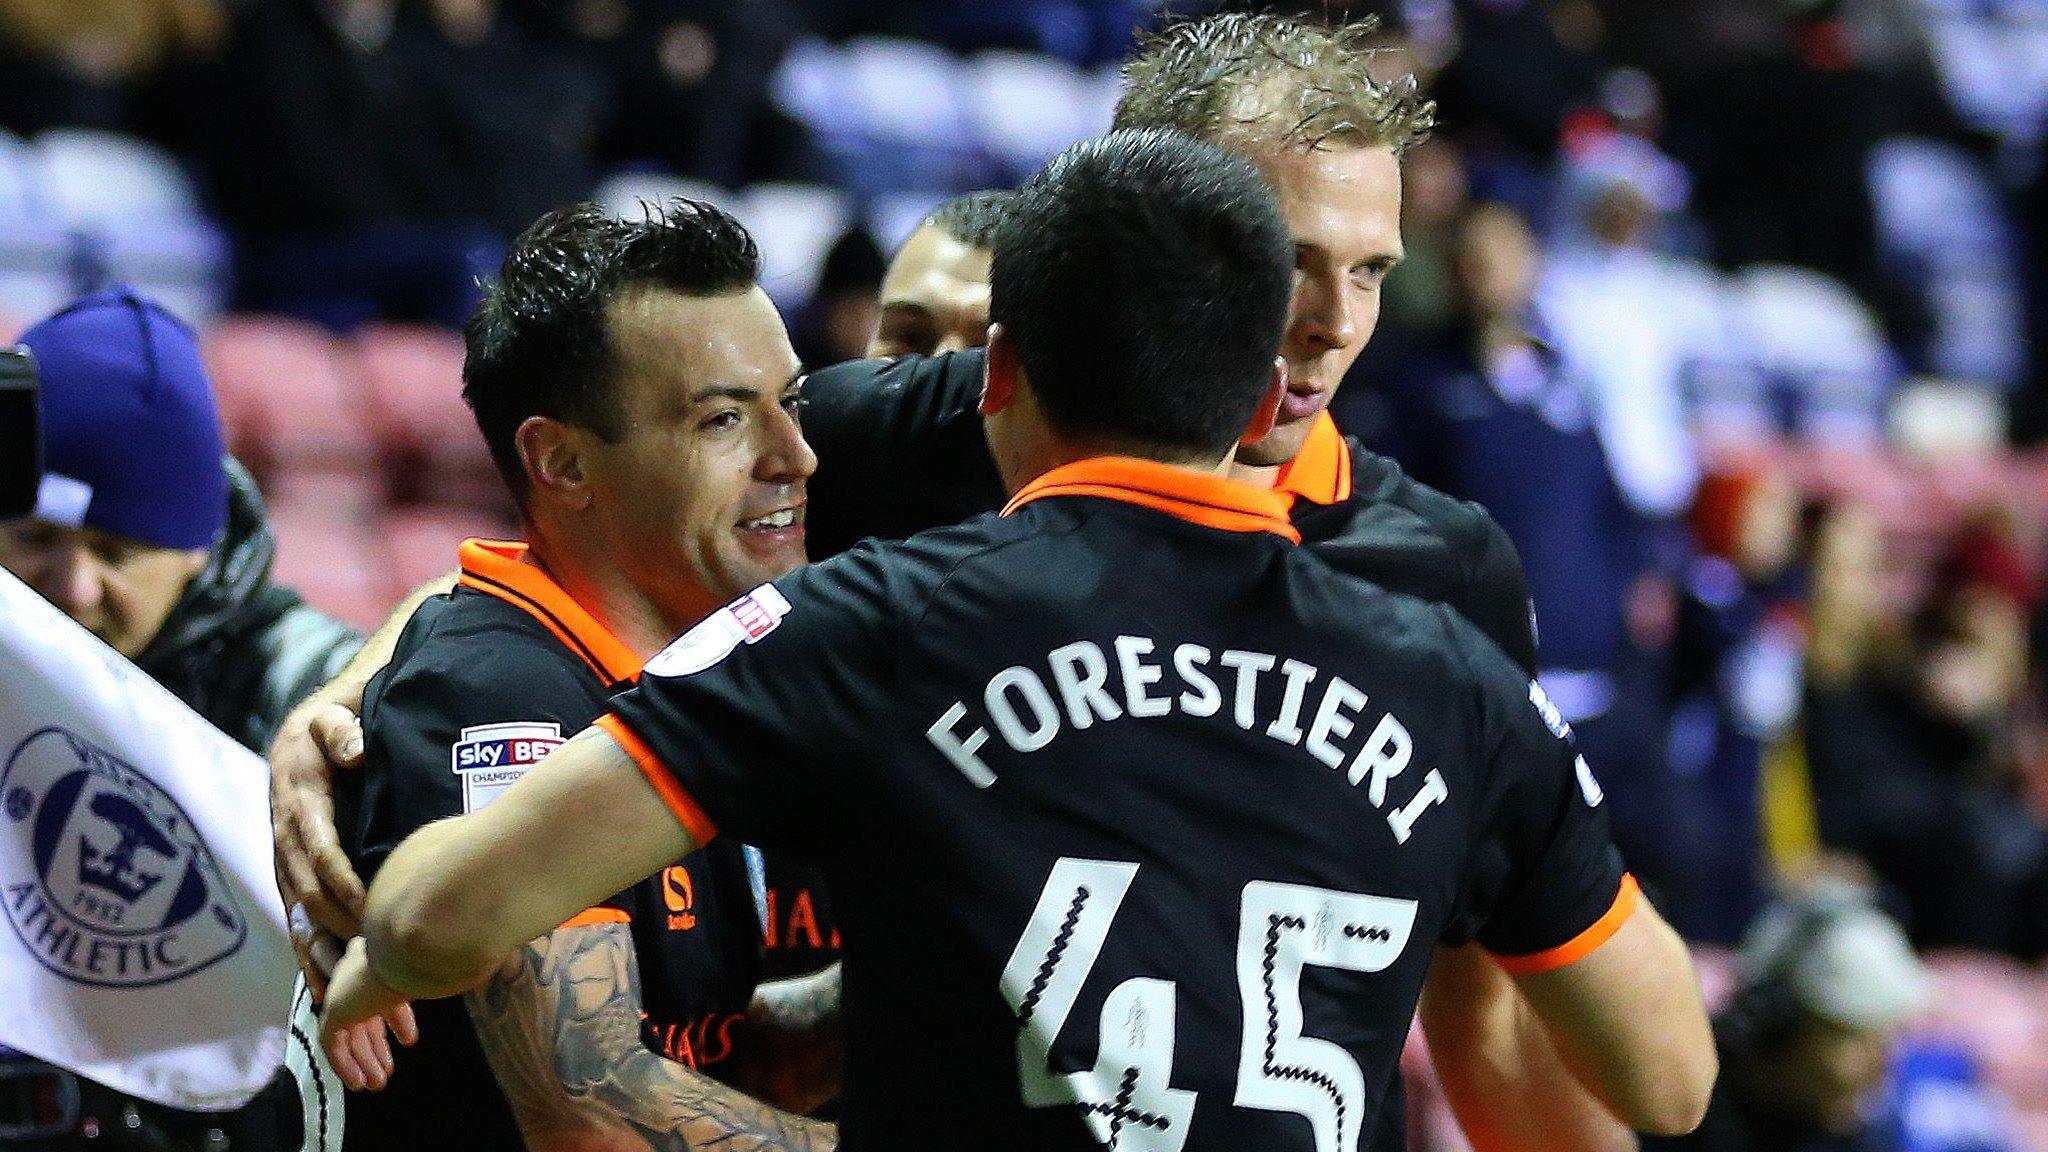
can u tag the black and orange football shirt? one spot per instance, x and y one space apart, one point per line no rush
901 450
1141 820
485 681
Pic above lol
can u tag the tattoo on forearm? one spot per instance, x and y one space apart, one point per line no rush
561 1027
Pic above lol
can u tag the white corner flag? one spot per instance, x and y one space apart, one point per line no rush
143 943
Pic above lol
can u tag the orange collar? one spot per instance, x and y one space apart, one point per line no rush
1321 472
499 568
1211 501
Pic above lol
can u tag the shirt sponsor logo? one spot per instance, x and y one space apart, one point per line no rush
492 757
743 621
696 1043
679 895
105 879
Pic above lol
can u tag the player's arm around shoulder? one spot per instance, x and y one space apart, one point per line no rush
560 1024
1608 978
1501 1072
1628 1020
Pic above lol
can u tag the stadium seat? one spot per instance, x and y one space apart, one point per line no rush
1810 334
893 217
426 438
795 224
36 259
1025 108
807 86
627 194
91 178
289 396
888 114
903 91
421 542
21 179
180 263
1999 1010
336 563
1942 231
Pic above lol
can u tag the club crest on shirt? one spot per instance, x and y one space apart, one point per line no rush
492 757
103 876
743 621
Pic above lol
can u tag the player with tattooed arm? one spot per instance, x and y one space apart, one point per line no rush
1152 814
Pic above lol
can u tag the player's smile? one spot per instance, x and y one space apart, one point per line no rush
774 533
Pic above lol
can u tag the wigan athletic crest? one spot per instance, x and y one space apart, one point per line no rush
111 884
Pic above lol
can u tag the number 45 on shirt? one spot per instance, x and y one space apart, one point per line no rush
1127 1097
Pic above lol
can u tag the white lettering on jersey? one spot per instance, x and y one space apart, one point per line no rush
492 757
743 621
1029 709
1552 718
1588 785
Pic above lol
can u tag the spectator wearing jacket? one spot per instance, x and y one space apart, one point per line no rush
149 536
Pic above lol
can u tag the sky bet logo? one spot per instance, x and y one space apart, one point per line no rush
491 757
103 877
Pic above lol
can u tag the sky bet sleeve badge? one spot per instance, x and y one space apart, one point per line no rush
492 757
112 885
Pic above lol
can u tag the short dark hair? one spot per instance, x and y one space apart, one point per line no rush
971 218
538 344
1145 276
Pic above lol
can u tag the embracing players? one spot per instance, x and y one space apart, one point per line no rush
637 391
1142 819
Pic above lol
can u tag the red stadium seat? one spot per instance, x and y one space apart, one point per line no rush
338 565
1999 1009
427 439
288 396
421 542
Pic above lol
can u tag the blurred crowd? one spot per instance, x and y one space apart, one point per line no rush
1729 311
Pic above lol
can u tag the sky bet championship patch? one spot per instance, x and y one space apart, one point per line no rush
103 876
492 757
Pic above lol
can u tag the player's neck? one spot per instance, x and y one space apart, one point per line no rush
1256 475
637 619
1051 453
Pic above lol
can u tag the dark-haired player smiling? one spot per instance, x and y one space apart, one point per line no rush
1143 916
637 392
902 449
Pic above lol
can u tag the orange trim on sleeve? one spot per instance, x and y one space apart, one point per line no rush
592 917
1196 497
680 803
1321 472
1583 945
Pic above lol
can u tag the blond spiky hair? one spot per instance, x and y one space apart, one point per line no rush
1271 76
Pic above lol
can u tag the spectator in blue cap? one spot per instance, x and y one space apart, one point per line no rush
147 534
133 494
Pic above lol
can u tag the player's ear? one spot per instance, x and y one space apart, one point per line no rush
999 373
552 455
1269 406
